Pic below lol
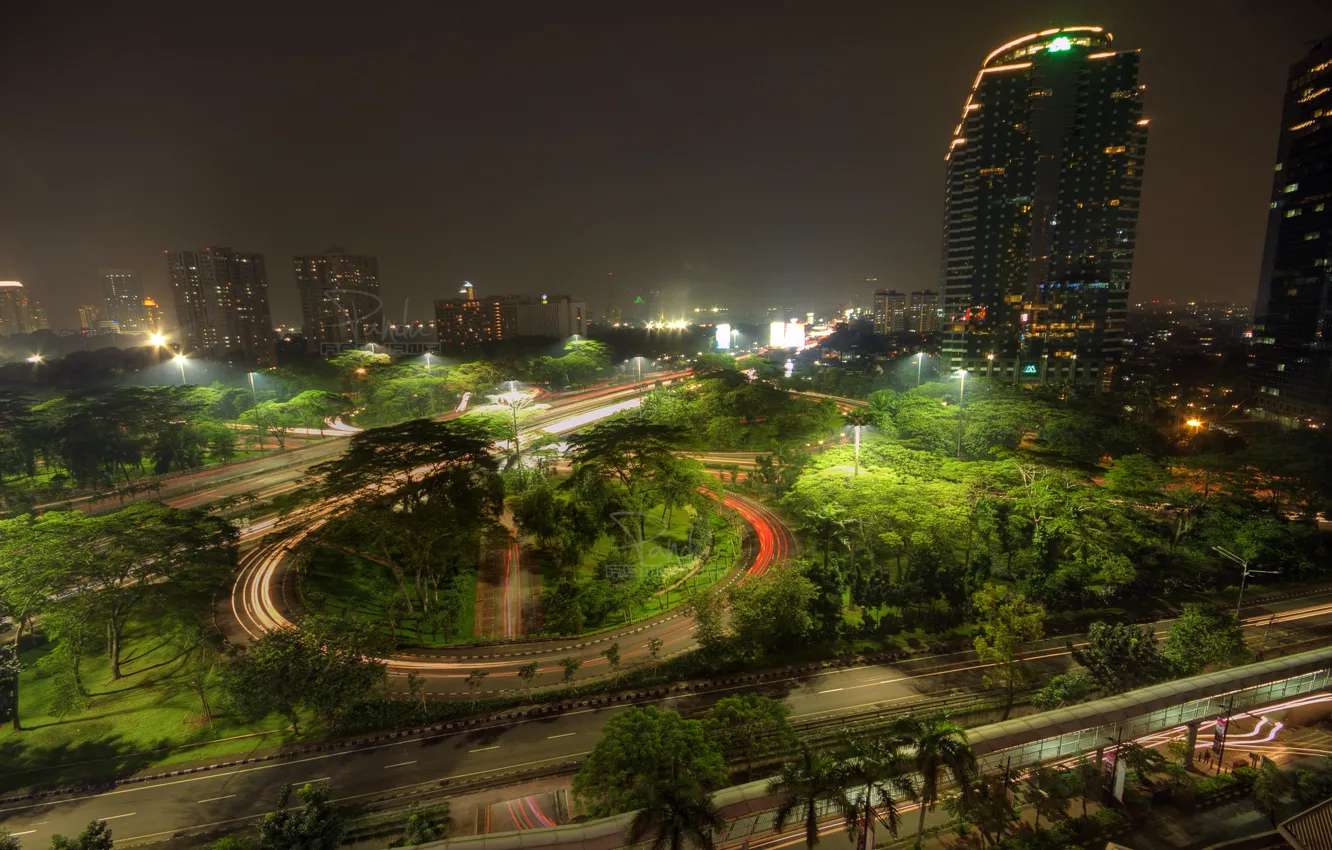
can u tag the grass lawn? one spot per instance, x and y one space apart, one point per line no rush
342 584
151 708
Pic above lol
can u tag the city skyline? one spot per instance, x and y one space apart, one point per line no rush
596 176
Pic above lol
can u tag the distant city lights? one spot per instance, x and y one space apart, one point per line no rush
793 335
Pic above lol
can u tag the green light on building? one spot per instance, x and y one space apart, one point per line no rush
1060 44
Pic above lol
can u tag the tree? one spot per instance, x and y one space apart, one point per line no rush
989 808
1270 787
95 836
612 656
676 812
1203 636
1048 791
8 842
1120 656
1007 621
654 653
751 726
10 667
1087 780
474 680
640 748
772 615
527 673
881 772
316 825
938 746
570 666
803 785
707 610
326 666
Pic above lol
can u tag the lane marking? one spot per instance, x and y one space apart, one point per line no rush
17 834
399 764
483 749
215 799
309 781
831 691
113 817
565 735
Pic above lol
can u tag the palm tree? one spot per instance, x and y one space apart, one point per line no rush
878 770
677 812
938 745
805 784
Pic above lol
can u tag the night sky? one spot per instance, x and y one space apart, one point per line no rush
754 152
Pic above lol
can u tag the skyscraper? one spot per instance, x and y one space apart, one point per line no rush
1044 176
890 311
468 321
89 316
123 293
340 303
221 299
1291 370
14 315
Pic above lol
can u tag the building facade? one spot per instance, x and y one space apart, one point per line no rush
340 300
1291 367
89 316
122 292
15 310
221 300
468 321
1044 176
890 310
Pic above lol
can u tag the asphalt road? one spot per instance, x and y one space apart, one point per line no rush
155 810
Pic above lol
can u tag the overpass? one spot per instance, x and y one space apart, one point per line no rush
1150 715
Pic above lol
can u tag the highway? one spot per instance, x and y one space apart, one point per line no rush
416 765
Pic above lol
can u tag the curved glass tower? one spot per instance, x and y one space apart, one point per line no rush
1044 179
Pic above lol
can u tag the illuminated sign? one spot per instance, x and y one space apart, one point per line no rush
1029 369
777 334
1060 44
723 337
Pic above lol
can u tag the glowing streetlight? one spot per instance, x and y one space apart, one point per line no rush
857 420
920 359
179 360
36 359
156 340
360 370
961 410
1194 424
515 398
427 359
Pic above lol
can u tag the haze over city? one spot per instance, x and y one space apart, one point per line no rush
749 151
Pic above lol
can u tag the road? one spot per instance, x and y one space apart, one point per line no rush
231 796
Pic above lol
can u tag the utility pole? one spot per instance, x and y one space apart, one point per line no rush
1245 572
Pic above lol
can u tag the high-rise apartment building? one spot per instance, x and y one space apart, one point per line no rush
221 299
890 311
89 316
1291 370
15 317
468 321
154 316
340 302
923 311
122 293
1044 178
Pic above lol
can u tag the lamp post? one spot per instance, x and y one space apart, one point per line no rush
1245 572
857 419
990 368
1073 370
961 408
427 356
179 360
258 421
515 399
920 359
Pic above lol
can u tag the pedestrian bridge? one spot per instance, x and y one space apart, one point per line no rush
1013 744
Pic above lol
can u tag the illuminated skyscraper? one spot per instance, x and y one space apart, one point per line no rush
123 293
340 302
221 299
1291 371
14 315
89 316
1044 177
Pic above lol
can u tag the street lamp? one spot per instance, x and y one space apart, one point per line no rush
254 394
179 360
920 358
156 340
1244 575
515 399
427 356
990 369
857 420
1195 424
961 410
36 359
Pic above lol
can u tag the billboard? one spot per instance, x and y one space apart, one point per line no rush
723 337
777 334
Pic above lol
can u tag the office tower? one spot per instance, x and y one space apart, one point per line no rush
221 299
37 318
469 321
1044 174
154 317
14 316
1291 370
123 294
340 302
89 316
890 309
